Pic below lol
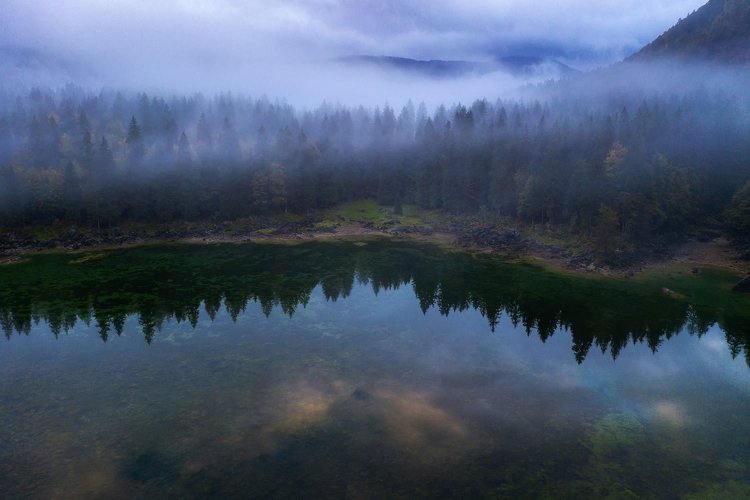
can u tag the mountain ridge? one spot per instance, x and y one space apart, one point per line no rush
440 68
719 31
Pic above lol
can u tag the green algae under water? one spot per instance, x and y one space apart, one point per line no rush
366 371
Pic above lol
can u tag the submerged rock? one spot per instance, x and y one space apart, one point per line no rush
743 286
360 394
666 292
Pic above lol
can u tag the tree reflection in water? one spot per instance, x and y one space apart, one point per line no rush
163 283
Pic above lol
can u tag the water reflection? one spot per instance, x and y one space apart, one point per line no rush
367 397
160 284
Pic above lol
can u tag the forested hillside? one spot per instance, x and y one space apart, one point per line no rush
626 171
718 32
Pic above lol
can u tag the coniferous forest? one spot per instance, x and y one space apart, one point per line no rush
374 249
624 168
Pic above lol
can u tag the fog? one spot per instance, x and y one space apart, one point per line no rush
226 110
287 49
666 143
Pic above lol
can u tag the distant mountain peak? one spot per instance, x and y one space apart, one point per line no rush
434 68
438 68
717 32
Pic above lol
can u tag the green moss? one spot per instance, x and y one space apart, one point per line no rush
722 491
613 433
361 211
325 225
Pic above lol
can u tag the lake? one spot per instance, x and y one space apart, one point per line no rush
366 370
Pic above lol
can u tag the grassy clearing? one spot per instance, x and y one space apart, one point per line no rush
325 225
370 212
561 237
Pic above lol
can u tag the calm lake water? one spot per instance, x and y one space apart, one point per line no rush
366 371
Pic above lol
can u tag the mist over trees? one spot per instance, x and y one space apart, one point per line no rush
622 168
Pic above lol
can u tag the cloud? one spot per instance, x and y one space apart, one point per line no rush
610 26
440 28
223 42
671 413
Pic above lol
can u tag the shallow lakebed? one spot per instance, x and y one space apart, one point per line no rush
366 370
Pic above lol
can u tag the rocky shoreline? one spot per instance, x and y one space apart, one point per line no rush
509 243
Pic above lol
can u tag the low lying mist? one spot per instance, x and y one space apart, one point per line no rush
304 84
294 50
654 149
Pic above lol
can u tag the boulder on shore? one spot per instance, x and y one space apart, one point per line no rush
508 239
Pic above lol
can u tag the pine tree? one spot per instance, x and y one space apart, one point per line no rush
398 208
134 140
104 162
9 195
738 216
184 156
71 192
87 151
277 187
204 139
229 141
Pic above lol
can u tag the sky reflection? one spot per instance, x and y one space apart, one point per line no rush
279 395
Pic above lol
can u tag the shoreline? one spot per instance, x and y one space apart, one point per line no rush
717 254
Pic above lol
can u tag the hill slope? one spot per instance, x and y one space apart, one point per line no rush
717 32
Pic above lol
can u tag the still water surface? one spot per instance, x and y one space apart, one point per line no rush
362 371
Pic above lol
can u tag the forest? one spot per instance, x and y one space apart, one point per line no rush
623 168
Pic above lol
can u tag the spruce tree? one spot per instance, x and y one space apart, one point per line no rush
134 140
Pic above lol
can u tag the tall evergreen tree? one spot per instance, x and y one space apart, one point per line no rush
184 155
203 137
86 156
104 162
134 140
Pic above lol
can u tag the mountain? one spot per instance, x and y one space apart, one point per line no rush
717 32
25 66
433 68
436 68
531 65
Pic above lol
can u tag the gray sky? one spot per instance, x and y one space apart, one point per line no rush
151 41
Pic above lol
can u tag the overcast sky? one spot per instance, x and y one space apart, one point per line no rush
152 38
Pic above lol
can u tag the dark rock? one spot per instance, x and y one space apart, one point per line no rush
743 286
491 237
582 260
360 394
